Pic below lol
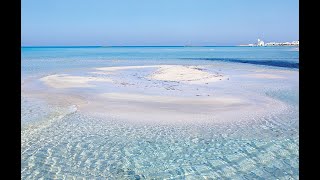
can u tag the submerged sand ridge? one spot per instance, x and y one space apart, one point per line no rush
167 93
69 81
170 109
185 74
176 73
167 73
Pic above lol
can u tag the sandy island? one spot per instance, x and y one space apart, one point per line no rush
151 105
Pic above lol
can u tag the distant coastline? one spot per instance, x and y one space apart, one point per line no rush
261 43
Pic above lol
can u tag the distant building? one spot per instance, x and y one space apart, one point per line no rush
295 43
272 44
260 43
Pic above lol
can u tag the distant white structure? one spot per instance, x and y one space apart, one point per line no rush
272 44
260 43
293 43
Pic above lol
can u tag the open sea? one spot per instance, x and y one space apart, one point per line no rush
59 142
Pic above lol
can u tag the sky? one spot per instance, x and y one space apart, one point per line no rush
157 22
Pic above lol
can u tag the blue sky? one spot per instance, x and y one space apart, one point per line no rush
161 22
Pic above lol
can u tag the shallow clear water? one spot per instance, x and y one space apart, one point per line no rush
60 142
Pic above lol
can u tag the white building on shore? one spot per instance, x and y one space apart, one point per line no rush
272 44
296 43
293 43
261 43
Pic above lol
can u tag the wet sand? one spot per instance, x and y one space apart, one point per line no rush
124 92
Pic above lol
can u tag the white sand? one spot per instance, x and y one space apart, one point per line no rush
170 109
185 74
178 73
101 72
147 100
220 101
68 81
112 70
108 69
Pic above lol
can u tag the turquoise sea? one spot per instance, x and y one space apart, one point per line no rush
52 59
59 142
